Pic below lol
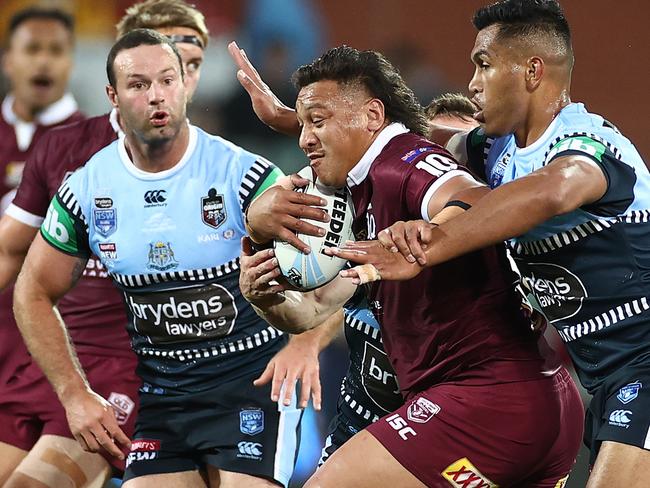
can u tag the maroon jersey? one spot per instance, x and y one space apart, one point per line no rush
456 322
93 310
17 140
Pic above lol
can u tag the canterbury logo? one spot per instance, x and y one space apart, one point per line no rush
620 416
155 196
250 448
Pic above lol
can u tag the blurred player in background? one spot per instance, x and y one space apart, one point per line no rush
36 62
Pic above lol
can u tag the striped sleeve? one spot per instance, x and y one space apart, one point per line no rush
261 175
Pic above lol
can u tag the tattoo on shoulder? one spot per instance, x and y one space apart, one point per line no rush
78 269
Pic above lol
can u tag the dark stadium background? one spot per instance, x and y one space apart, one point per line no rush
429 40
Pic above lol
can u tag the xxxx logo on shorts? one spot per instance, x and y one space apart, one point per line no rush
463 473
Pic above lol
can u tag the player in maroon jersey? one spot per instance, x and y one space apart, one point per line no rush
472 372
37 65
34 421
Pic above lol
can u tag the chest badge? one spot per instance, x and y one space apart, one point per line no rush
213 209
104 216
161 256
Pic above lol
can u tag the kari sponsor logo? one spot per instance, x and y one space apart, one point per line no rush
250 450
401 426
629 392
620 418
143 450
422 410
122 406
251 421
464 474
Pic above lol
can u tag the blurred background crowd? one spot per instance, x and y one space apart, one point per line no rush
428 40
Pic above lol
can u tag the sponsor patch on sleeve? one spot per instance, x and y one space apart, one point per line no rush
578 144
414 153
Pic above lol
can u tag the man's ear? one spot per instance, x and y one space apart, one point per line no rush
535 68
112 96
375 113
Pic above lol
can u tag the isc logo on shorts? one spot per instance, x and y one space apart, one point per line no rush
463 473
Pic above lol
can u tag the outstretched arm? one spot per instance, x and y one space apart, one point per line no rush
299 361
513 209
46 276
268 108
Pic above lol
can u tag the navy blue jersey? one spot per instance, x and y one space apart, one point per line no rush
171 241
587 271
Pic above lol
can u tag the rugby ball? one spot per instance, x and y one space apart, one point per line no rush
309 271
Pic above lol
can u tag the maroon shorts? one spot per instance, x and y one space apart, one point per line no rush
29 408
524 434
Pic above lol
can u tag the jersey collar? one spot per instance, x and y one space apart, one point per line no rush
56 113
145 175
362 168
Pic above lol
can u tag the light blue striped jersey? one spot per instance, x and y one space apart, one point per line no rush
171 242
587 271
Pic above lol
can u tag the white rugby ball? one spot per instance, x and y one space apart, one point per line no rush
309 271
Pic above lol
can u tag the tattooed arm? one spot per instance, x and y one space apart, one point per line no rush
46 276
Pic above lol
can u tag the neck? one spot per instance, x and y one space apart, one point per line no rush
24 112
154 157
541 114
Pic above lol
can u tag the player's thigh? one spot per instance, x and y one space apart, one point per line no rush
60 462
10 457
229 479
620 464
182 479
362 462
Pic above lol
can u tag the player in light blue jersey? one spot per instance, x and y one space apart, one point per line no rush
572 196
163 208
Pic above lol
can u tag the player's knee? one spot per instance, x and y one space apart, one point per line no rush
58 462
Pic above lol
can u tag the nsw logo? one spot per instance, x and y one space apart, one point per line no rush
250 450
155 198
620 418
629 392
251 421
422 410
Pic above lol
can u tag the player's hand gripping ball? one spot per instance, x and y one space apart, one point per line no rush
309 271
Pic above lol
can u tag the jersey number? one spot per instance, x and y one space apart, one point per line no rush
436 165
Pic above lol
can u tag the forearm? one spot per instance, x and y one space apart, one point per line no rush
286 122
48 342
297 312
322 335
499 215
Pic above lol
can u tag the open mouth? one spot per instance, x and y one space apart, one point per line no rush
159 118
42 82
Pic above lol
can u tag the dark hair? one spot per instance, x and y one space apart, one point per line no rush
135 38
521 18
455 104
40 13
372 70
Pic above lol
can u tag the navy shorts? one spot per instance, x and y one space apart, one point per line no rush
234 426
620 412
